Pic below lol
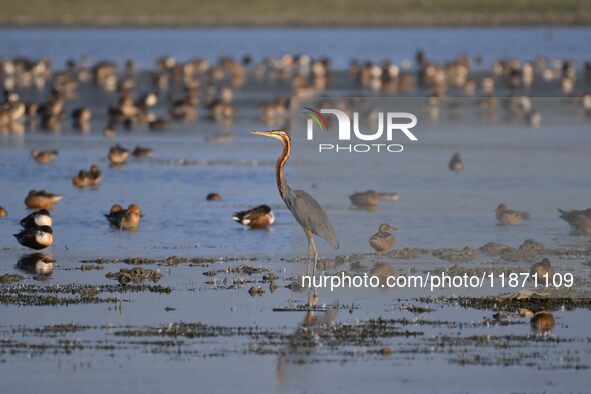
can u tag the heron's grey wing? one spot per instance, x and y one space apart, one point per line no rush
311 215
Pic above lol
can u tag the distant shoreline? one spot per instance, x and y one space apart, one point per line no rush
528 20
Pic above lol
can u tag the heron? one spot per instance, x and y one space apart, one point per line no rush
304 208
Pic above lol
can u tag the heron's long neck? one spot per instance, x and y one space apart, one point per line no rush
280 167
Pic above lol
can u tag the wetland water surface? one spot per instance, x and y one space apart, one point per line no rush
168 307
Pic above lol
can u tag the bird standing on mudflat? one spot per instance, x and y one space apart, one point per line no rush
259 217
383 239
35 237
304 208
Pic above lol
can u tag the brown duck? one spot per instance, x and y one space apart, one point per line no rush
543 269
579 220
542 322
140 151
367 199
40 199
3 212
507 216
124 219
213 197
118 155
91 178
35 237
383 239
44 156
259 217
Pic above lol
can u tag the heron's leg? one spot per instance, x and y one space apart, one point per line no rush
310 240
309 257
314 271
315 256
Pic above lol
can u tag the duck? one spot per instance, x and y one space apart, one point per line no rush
533 119
158 124
506 216
38 218
81 118
367 199
456 163
147 100
35 237
544 271
124 219
579 220
41 199
118 155
542 322
44 156
3 212
258 217
140 151
388 196
213 197
91 178
15 107
110 131
383 239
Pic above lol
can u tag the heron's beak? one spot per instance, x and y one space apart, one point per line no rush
263 133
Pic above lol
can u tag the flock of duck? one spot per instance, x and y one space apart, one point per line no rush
185 87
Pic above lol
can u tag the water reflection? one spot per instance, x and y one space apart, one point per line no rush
306 339
40 264
382 271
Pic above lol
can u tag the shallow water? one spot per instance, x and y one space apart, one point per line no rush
341 45
447 349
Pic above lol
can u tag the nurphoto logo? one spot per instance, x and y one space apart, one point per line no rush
394 121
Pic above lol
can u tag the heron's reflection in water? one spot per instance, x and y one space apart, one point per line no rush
39 264
302 344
